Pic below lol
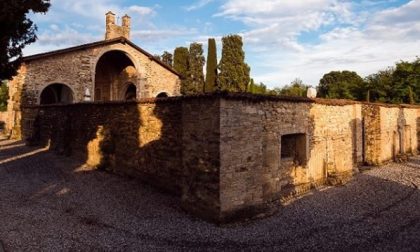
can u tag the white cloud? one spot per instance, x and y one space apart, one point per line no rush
140 10
355 39
197 5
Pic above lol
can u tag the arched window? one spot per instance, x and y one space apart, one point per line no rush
56 93
131 93
162 95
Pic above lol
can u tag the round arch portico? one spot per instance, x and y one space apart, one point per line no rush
113 69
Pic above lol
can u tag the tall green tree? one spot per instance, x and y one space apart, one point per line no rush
233 71
211 71
342 85
16 31
195 77
4 96
167 58
181 65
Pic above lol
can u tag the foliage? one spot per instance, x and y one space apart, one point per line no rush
180 64
379 86
254 88
296 88
211 72
234 72
194 82
406 77
167 58
4 96
17 31
342 85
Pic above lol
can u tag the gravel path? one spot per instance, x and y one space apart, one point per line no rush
50 203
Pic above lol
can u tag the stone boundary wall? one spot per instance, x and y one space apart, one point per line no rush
254 172
229 156
143 140
3 121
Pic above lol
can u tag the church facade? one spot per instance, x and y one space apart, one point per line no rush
114 69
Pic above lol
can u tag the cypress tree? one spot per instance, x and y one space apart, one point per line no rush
195 76
167 58
234 72
211 73
180 65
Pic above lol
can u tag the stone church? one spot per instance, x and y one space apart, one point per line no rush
114 69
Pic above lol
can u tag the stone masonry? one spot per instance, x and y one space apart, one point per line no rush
228 156
99 71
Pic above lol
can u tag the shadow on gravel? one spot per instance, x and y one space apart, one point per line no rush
48 205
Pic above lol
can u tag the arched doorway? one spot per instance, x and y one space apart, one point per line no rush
131 93
162 95
56 93
113 70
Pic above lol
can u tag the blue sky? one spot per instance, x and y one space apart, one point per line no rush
284 39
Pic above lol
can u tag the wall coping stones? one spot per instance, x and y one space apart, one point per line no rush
234 96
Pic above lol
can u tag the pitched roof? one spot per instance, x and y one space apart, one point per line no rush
95 44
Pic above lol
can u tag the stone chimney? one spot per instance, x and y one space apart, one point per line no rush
114 30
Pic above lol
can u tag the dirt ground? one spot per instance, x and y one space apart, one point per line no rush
50 203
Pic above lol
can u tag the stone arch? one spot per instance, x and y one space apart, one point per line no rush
162 95
56 93
113 69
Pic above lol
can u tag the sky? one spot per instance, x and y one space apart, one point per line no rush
283 39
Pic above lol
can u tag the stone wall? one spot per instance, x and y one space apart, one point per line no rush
228 156
3 121
77 70
391 131
143 140
254 171
201 156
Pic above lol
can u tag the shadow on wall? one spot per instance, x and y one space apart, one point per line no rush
142 140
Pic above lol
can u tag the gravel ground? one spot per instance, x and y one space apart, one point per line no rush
50 203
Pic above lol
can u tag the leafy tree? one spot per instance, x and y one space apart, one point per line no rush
405 77
234 72
181 65
17 31
211 73
296 88
4 96
379 86
167 58
195 78
342 85
260 88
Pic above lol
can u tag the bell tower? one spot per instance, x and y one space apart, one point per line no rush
113 30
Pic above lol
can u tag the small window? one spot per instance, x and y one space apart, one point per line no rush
293 147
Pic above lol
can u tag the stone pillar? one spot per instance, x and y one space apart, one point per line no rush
126 25
110 23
